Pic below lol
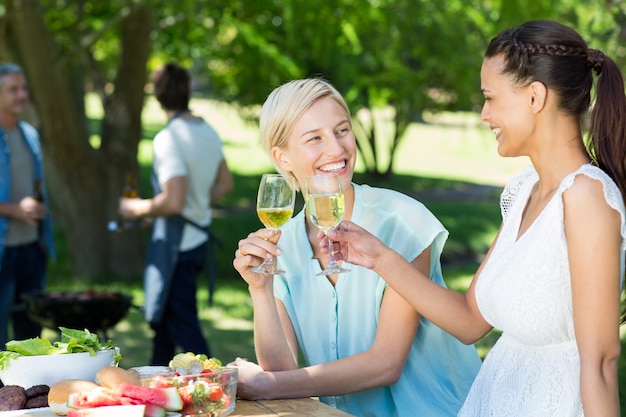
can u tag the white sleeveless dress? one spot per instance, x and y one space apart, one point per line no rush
525 290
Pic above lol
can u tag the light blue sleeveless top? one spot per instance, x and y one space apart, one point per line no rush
332 322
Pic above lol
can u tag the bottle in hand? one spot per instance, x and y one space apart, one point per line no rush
38 193
130 191
130 187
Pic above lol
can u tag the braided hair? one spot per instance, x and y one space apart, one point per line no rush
557 56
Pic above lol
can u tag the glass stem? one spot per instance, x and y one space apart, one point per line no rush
269 261
331 250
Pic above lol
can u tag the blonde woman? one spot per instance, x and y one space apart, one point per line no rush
367 351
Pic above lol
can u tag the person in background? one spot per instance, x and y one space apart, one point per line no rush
189 176
551 280
367 351
26 238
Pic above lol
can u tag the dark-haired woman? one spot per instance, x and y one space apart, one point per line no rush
551 281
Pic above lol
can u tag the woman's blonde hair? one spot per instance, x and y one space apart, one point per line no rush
286 104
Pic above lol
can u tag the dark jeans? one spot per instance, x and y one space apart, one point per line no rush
180 326
23 270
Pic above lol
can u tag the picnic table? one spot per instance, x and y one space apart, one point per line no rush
297 407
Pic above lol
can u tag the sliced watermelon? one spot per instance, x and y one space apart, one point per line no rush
154 411
98 397
110 411
129 401
167 398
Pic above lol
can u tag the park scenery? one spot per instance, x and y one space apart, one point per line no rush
408 69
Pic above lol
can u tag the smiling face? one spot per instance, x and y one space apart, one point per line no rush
320 142
13 94
508 108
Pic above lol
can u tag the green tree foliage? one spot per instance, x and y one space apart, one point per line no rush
395 56
392 59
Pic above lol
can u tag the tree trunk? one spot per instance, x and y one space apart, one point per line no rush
84 183
121 132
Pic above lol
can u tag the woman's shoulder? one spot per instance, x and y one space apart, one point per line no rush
593 192
589 171
590 178
401 221
387 198
390 206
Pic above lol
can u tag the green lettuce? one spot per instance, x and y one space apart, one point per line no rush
72 341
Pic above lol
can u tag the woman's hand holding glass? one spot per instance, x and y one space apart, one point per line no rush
351 243
325 206
275 204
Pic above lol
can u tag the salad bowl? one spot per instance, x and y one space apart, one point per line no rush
27 371
78 355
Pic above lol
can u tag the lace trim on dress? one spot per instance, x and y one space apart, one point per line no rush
510 192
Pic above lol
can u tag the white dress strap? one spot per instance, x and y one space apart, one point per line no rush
612 194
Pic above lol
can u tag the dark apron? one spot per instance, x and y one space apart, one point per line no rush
162 256
161 259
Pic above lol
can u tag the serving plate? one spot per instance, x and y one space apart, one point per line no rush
47 412
39 412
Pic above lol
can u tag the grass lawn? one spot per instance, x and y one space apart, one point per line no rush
450 163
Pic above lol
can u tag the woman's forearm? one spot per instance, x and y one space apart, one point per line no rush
448 309
351 374
599 388
271 346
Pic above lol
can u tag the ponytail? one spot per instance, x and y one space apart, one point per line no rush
607 130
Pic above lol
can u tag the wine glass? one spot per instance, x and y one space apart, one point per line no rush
274 206
325 206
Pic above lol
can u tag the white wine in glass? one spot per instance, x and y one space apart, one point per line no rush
274 206
325 205
273 218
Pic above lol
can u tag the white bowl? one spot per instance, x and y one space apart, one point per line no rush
27 371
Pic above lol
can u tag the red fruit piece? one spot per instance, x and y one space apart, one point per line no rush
167 398
186 396
216 393
226 401
98 397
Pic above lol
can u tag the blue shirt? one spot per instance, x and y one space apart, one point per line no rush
31 137
332 322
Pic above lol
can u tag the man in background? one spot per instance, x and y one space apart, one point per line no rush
189 176
25 230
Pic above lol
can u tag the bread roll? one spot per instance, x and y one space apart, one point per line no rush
112 376
57 396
